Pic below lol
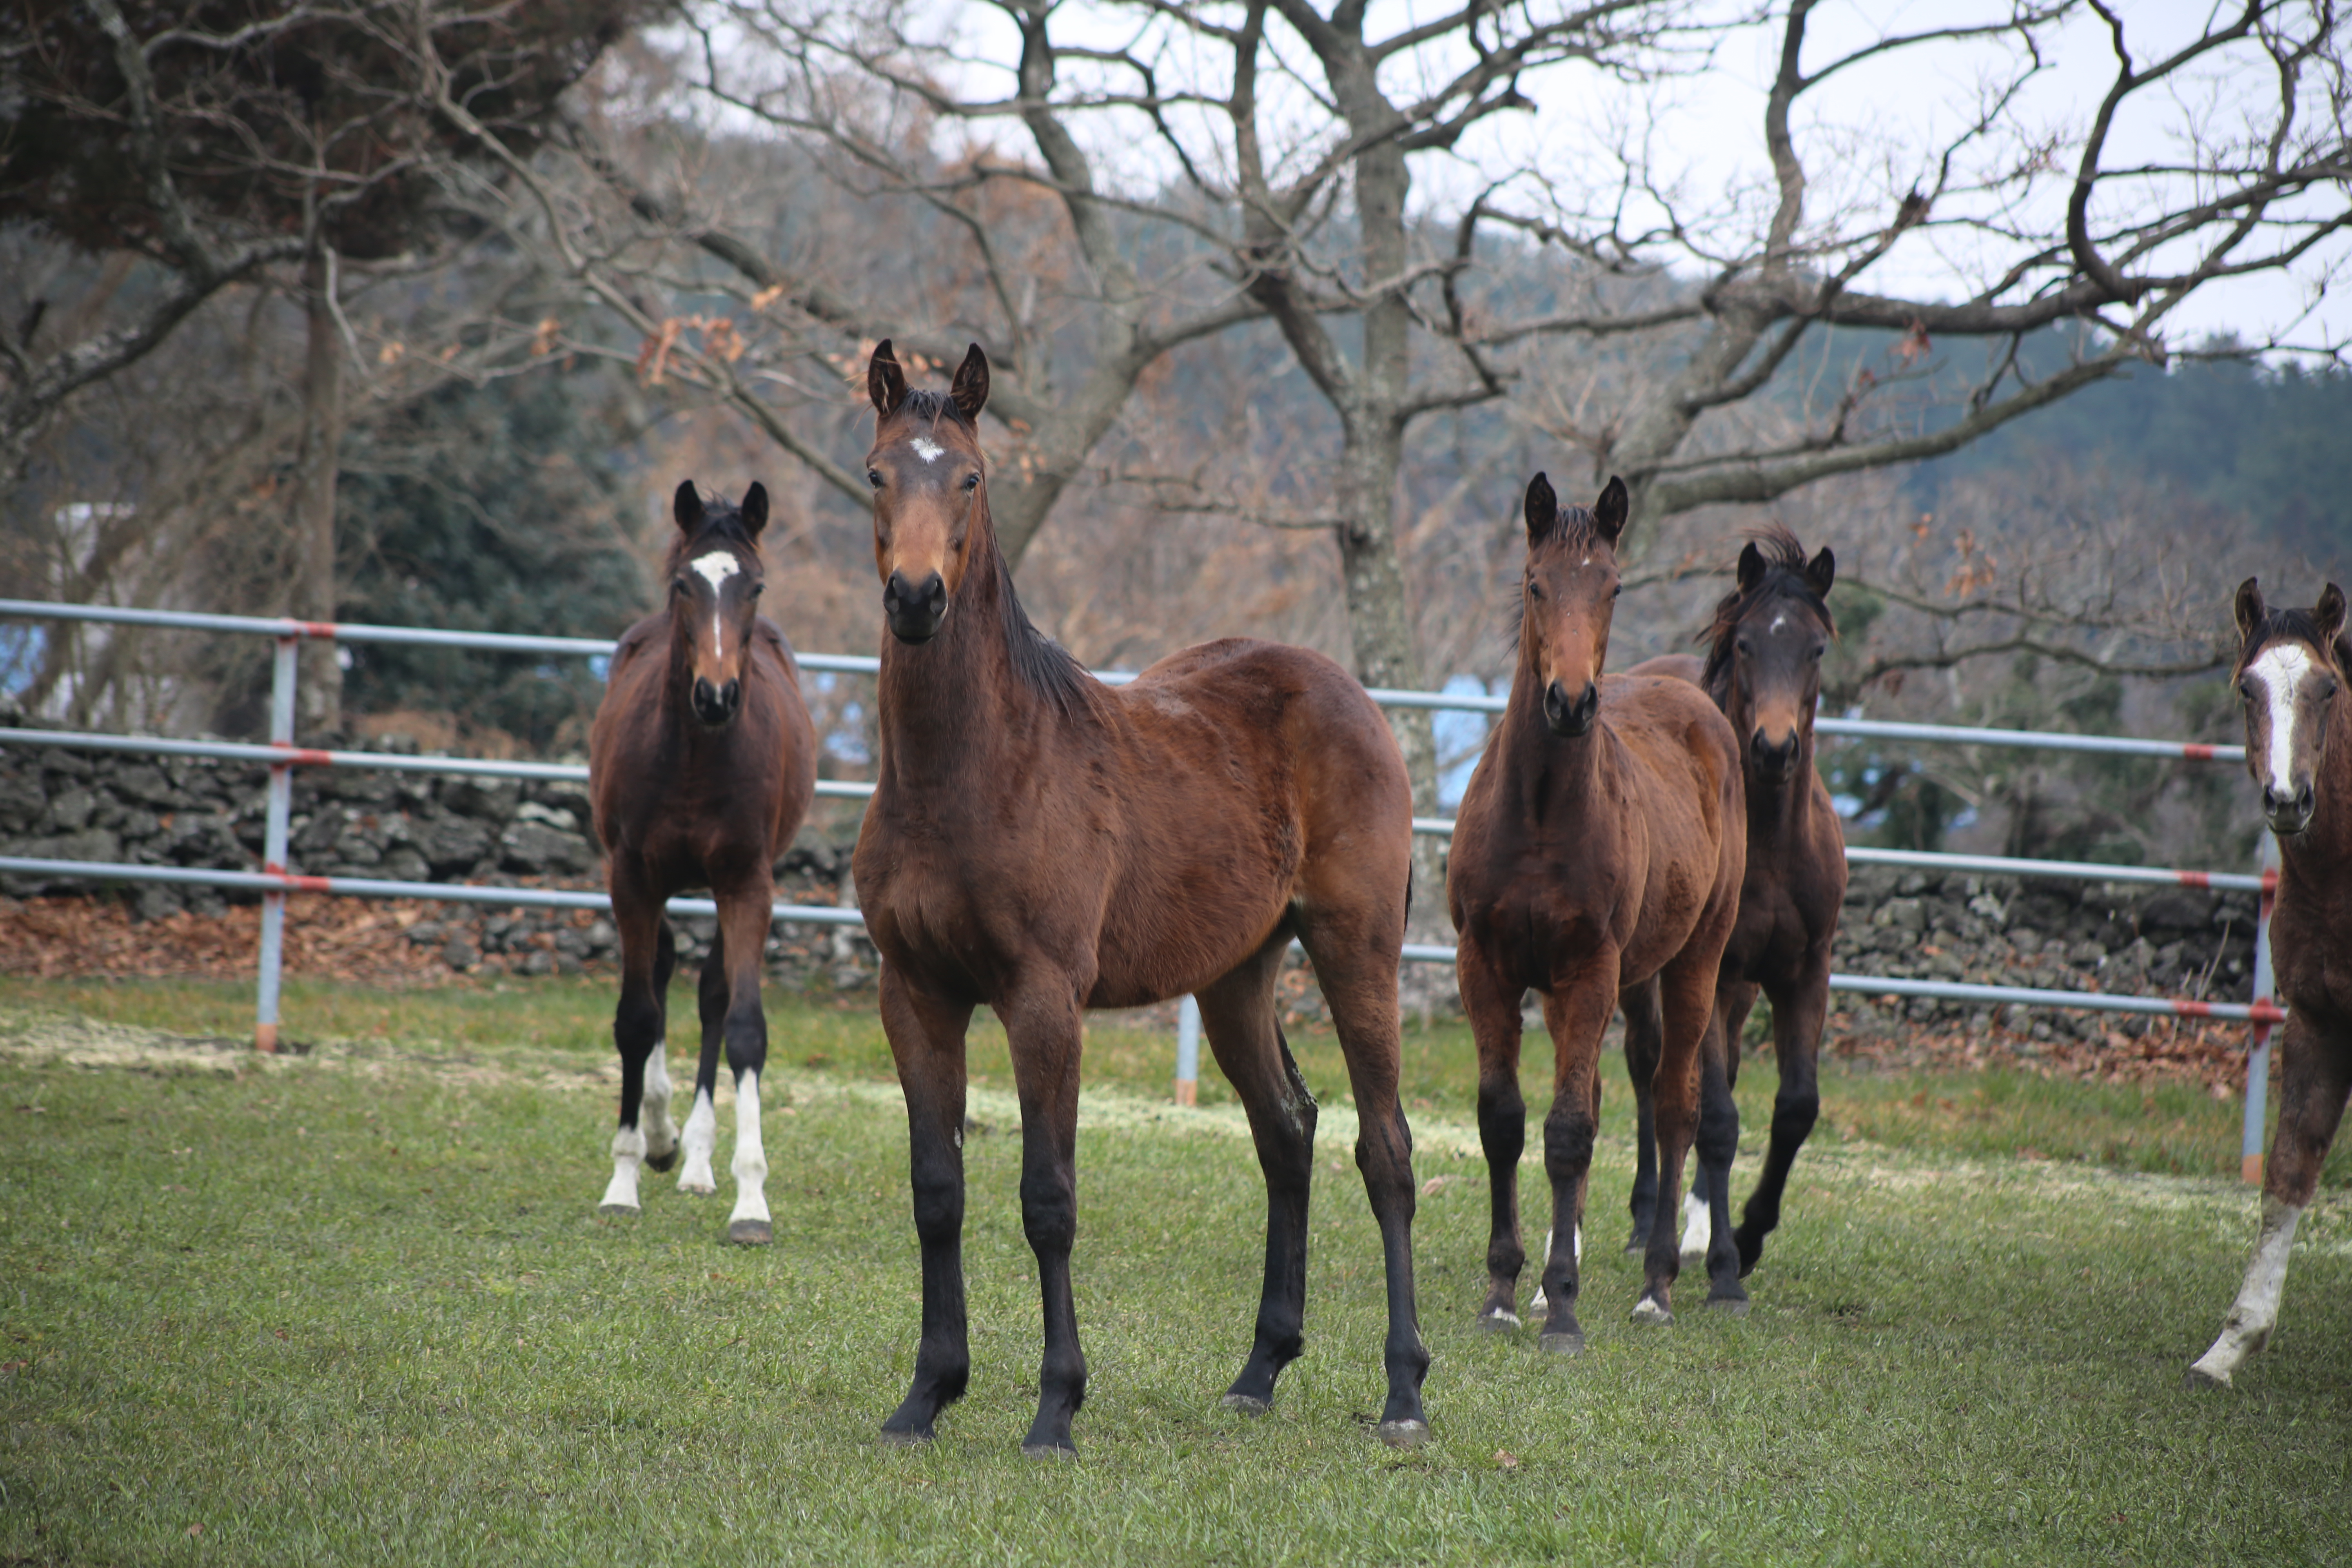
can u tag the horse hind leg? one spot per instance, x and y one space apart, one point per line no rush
1491 1002
1237 1013
1355 963
1687 996
1642 1043
700 1139
2315 1075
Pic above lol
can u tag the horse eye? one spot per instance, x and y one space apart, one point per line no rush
1617 590
1744 646
678 584
1816 654
758 589
971 481
1535 589
873 477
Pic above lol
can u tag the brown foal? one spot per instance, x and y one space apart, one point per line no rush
1045 843
1598 846
701 763
2291 666
1763 668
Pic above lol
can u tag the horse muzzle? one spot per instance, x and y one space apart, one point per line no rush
915 611
717 705
1570 716
2289 814
1773 759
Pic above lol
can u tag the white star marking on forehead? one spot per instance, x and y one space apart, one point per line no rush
716 568
1780 621
928 450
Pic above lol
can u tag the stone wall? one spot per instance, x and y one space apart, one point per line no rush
65 805
86 806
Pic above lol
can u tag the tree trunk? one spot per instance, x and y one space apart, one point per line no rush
319 709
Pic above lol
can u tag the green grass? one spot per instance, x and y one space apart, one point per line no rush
357 1307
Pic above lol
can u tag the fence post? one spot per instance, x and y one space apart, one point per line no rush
1188 1051
273 850
2258 1059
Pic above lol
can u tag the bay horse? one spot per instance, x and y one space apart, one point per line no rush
701 763
1763 668
2291 670
1599 849
1045 843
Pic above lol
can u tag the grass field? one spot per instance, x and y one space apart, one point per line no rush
356 1306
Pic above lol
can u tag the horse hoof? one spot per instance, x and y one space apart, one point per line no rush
1562 1344
1247 1404
1751 1250
1729 1306
891 1439
619 1211
1499 1323
1048 1451
699 1189
662 1161
2198 1380
1646 1310
750 1233
1406 1434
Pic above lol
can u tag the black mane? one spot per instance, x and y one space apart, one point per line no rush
1784 578
1045 665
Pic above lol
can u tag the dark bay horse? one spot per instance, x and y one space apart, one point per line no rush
701 763
1599 848
1763 668
2291 666
1045 843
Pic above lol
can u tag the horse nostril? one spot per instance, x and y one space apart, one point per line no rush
730 694
704 694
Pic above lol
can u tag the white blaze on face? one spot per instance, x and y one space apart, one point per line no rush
928 450
2279 670
715 569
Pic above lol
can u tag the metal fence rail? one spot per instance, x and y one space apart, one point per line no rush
281 756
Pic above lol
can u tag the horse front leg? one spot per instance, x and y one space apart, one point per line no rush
1045 1030
926 1043
2315 1075
1491 1002
1799 1012
744 914
1642 1043
1237 1012
1576 1009
637 1029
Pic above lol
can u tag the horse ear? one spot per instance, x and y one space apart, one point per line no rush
1822 571
970 388
1543 509
1751 567
885 383
1610 512
754 508
686 507
2249 607
2329 613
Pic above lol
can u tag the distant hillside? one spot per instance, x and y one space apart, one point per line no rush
2274 445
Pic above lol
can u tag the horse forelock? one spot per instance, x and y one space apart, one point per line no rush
1572 527
2282 625
721 525
1784 580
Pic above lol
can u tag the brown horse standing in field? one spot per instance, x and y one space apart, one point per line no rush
1763 668
1599 848
701 763
1046 844
2291 666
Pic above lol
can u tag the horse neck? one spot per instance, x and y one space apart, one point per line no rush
940 704
1547 765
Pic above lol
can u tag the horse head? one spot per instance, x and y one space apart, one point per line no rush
716 579
1567 598
2290 667
930 485
1764 656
